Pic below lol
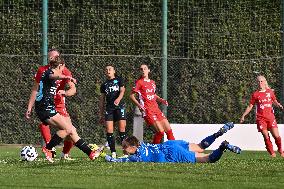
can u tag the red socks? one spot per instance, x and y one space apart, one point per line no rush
278 144
170 135
45 132
158 137
269 146
68 144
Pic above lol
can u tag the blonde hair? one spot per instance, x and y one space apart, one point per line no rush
262 77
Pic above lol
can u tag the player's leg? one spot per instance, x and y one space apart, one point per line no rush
206 142
120 117
262 128
45 132
68 143
109 124
66 129
216 154
277 138
167 128
158 136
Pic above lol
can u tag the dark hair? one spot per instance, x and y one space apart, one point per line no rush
130 141
110 65
54 63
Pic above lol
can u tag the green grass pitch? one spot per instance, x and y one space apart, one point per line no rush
247 170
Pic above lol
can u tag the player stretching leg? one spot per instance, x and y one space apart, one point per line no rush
46 112
59 100
145 90
175 151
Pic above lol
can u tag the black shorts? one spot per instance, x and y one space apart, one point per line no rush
115 115
43 114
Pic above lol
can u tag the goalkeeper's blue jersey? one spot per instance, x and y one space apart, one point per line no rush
170 151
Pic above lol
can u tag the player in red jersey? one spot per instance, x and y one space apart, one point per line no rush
264 98
145 88
59 100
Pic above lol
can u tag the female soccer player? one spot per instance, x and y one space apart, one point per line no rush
264 98
145 88
46 111
112 91
175 151
59 100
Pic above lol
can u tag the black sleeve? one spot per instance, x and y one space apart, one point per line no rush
121 82
102 89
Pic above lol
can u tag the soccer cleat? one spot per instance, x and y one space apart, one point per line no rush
225 128
48 154
53 151
113 154
107 146
226 146
94 154
93 147
123 156
66 157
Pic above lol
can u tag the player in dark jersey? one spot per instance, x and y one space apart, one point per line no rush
46 112
175 151
59 101
112 106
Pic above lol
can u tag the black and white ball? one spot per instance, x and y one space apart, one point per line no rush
28 153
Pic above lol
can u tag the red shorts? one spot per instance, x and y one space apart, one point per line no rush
62 111
265 124
152 116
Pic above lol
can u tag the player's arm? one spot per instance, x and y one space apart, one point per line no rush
121 93
161 100
102 107
247 111
135 101
277 104
32 100
70 91
132 158
54 76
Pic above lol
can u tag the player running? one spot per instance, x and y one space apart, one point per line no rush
59 100
175 151
112 91
46 111
264 98
145 88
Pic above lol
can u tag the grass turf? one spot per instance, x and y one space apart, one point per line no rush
247 170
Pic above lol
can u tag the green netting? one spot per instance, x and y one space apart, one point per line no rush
216 48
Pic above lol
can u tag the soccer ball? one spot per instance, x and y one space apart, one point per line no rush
28 153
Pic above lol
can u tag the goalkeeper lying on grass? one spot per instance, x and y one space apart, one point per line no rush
176 151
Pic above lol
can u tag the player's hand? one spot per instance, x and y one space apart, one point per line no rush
116 102
242 119
102 120
61 92
141 108
28 114
71 79
165 102
280 106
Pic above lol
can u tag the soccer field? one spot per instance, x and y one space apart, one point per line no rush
247 170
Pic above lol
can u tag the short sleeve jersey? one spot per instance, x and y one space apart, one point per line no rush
59 100
146 90
111 88
263 101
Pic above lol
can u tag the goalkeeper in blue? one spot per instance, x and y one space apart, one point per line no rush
175 151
